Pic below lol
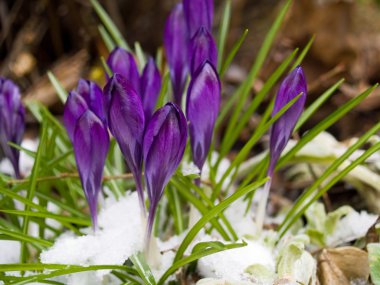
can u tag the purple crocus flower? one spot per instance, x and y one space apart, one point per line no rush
176 42
202 48
150 87
126 122
164 144
85 124
123 62
90 157
292 86
198 13
202 108
12 121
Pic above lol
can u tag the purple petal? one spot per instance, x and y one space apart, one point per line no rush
202 108
93 96
203 48
74 108
126 122
293 85
198 13
176 42
90 157
150 87
122 62
12 121
164 144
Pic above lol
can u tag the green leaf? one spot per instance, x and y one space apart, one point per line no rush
143 269
62 93
232 53
16 235
230 138
224 24
212 214
259 61
106 68
47 215
197 255
32 187
140 56
243 153
303 53
108 41
110 26
317 104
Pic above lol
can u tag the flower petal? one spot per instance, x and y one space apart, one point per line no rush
202 48
202 108
90 157
164 144
75 106
150 87
122 62
198 13
176 42
12 121
293 85
93 96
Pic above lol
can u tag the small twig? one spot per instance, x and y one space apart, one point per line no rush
68 175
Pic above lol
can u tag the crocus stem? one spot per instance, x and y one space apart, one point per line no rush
94 216
140 192
261 209
152 253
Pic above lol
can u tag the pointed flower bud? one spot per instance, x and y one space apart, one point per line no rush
164 144
198 13
150 87
202 48
84 120
91 143
293 85
202 108
126 122
176 42
12 121
123 62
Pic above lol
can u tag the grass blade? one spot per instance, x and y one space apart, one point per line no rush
108 41
224 24
62 93
213 213
143 269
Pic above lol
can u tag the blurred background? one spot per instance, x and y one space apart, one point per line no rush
62 36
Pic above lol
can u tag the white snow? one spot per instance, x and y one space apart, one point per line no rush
351 227
9 251
231 264
118 237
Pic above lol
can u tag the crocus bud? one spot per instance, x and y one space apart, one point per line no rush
198 13
292 86
123 62
150 87
84 120
164 144
126 122
176 42
202 108
12 121
202 48
91 143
